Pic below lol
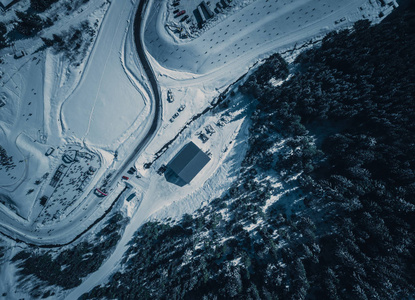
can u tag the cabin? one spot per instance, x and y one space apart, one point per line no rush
188 162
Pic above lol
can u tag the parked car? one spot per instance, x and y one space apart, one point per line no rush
131 197
100 192
182 12
184 18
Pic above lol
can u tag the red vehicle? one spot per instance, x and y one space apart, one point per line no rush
125 177
182 12
100 193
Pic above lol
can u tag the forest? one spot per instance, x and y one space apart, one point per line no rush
74 43
65 268
343 128
39 16
6 161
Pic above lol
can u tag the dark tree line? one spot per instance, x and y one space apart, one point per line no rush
41 5
68 267
3 31
30 23
6 161
73 43
355 95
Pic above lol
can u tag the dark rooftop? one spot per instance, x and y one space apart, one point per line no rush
188 162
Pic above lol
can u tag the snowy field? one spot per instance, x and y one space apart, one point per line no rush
105 104
264 26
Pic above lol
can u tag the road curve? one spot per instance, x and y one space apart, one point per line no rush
139 44
137 27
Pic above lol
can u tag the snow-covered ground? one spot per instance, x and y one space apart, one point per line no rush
260 28
101 106
104 107
162 199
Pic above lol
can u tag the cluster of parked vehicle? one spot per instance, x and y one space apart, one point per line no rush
178 12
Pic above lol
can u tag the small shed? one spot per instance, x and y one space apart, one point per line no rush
188 162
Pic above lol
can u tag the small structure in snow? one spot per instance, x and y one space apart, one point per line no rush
206 9
49 151
57 176
69 156
170 97
131 197
188 162
91 170
162 169
209 130
43 200
203 137
202 13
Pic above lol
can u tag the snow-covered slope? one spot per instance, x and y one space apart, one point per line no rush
261 27
99 105
196 71
103 106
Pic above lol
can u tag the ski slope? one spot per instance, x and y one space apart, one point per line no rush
105 104
262 27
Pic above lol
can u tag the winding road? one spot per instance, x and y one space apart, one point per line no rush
139 44
20 235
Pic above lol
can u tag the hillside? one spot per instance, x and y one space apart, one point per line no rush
324 205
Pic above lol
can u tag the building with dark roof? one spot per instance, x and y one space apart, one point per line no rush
188 162
206 9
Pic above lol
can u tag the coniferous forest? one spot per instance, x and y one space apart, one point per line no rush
339 137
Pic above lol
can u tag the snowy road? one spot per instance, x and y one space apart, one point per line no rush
104 76
155 123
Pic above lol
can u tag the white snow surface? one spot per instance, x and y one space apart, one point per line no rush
105 104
